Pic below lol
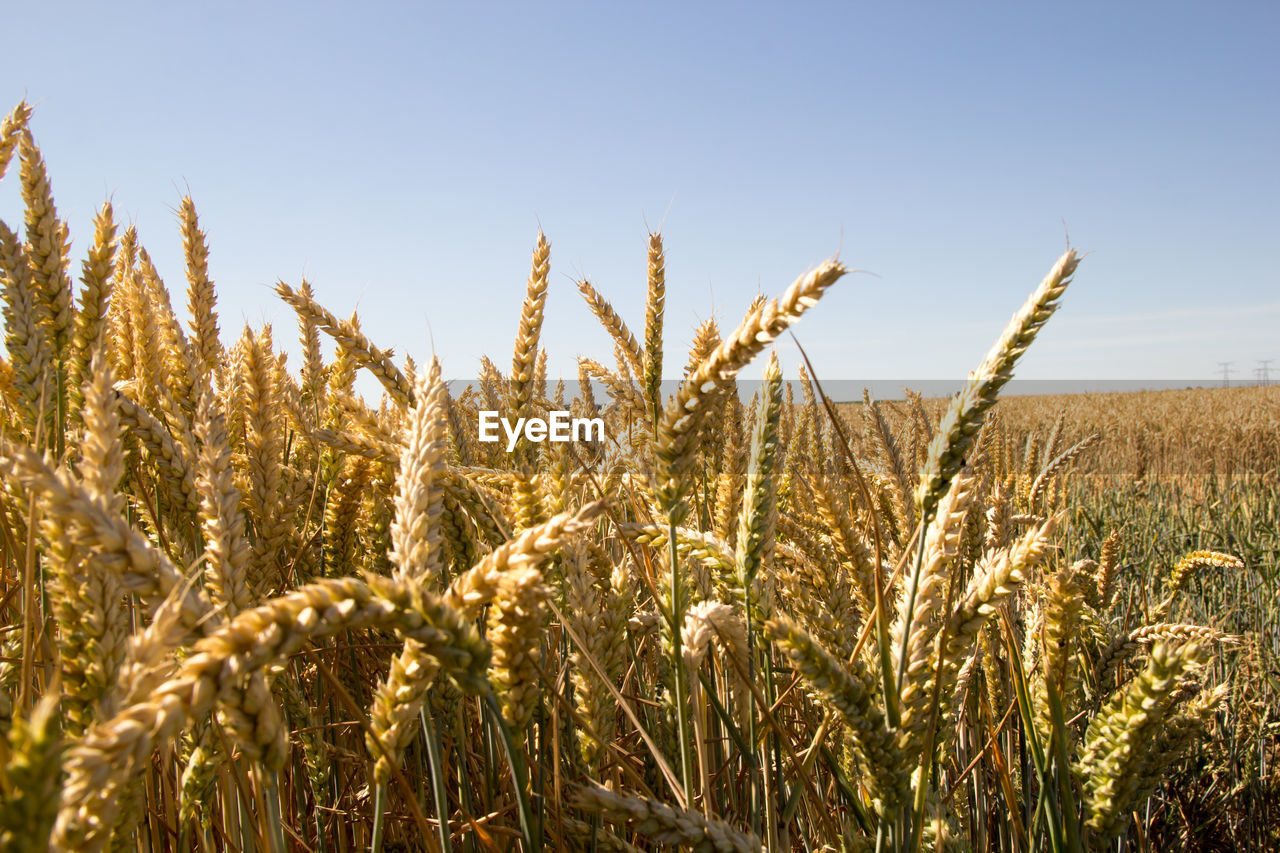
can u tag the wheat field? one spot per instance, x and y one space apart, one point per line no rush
242 608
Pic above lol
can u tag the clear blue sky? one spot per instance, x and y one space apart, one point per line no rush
402 158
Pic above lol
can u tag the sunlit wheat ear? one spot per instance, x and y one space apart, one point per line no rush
1054 468
597 608
1121 737
1126 645
655 306
168 374
417 544
666 824
149 658
201 300
254 724
12 127
1182 731
1108 564
1063 603
705 548
148 351
679 432
926 616
91 311
709 621
516 623
415 533
27 335
175 471
359 348
529 330
399 699
964 416
119 321
586 402
622 390
29 781
311 380
614 325
705 340
264 443
996 577
49 246
401 696
86 596
226 550
888 444
478 585
831 504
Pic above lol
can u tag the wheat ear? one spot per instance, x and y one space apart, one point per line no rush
93 624
1121 736
1108 563
91 313
49 246
415 533
923 619
653 311
515 627
964 416
478 585
530 328
713 620
27 335
614 325
679 432
226 550
352 341
1185 569
201 300
997 576
11 129
758 520
851 691
666 824
119 321
416 555
264 449
1055 467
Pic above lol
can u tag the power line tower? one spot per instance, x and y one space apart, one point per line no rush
1226 373
1264 373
